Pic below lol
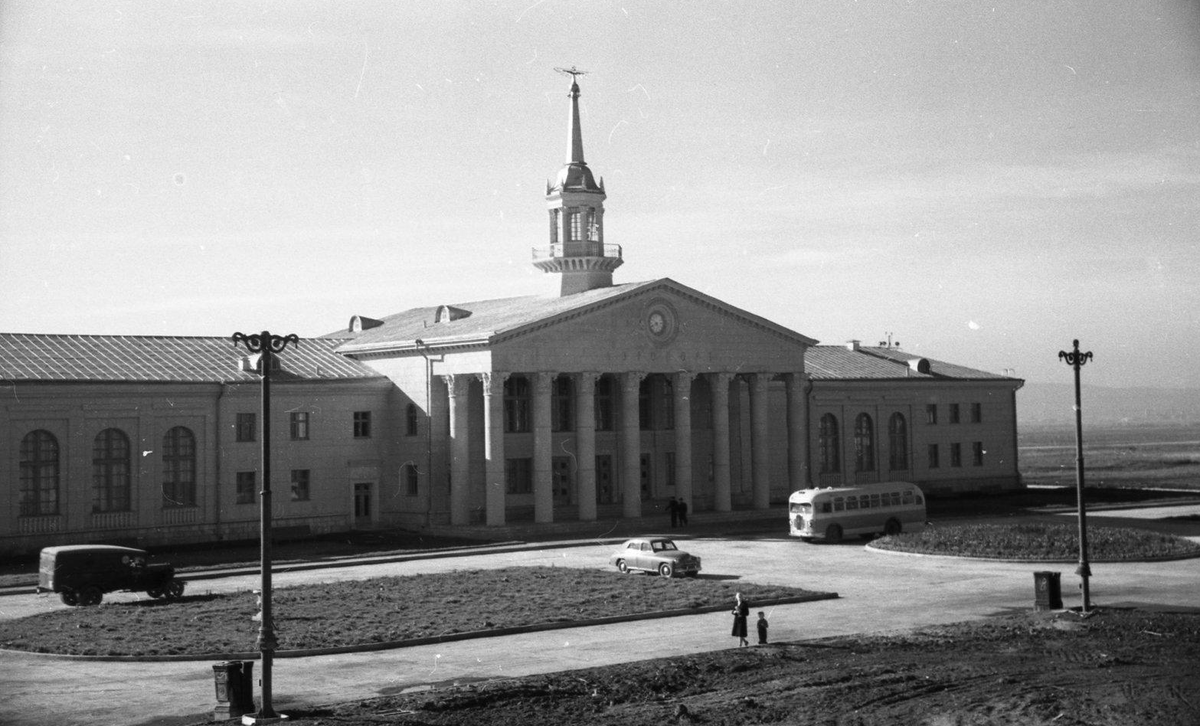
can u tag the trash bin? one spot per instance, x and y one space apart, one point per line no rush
234 681
1047 591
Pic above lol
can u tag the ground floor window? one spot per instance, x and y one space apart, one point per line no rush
518 476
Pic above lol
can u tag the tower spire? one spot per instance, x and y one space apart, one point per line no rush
577 252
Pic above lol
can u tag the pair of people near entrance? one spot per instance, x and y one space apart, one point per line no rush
677 508
741 614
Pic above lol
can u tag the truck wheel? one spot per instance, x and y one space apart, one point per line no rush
174 589
90 595
155 592
69 597
833 533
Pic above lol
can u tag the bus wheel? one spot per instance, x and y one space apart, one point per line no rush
833 533
892 527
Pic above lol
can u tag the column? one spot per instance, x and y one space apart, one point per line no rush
759 448
682 388
460 457
543 472
585 448
631 445
719 383
797 403
493 447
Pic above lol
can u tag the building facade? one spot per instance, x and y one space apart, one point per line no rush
592 402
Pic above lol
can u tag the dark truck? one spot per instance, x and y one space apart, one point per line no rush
81 574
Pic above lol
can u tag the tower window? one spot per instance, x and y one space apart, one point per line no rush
576 225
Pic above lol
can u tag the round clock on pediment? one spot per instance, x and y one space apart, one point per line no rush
660 322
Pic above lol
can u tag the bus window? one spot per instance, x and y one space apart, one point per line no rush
839 504
794 507
826 507
908 496
851 502
875 500
895 499
864 501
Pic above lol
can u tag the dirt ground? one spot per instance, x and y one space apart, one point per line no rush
1115 667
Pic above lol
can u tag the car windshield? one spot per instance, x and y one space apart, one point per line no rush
663 544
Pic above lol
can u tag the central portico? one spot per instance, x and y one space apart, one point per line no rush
599 396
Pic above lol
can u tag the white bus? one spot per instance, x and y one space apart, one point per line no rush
832 513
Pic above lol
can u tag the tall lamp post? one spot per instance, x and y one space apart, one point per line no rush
1076 360
267 345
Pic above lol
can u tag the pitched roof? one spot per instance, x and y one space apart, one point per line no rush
485 321
161 359
837 362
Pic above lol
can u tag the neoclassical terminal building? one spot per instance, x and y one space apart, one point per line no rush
598 400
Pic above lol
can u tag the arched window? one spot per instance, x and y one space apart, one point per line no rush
864 443
110 471
517 405
39 474
831 460
179 468
897 443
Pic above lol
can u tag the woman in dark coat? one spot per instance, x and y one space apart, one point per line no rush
741 612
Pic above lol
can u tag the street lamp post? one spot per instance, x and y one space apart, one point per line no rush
267 345
1076 360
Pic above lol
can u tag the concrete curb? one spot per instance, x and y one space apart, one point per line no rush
900 553
431 640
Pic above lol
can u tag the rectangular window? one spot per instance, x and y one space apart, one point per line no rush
931 413
246 487
516 406
299 427
670 473
955 455
605 421
300 479
666 398
645 406
576 225
562 414
412 420
977 453
933 456
954 413
518 476
246 427
411 480
362 424
976 413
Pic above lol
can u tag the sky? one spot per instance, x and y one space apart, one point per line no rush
982 182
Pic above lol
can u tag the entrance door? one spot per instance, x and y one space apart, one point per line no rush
604 480
362 505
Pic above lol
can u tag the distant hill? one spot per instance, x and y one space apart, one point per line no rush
1053 403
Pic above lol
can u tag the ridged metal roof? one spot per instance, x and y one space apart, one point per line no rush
837 362
164 359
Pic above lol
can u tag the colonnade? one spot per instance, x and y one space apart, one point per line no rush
628 436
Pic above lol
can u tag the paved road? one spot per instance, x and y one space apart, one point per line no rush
879 593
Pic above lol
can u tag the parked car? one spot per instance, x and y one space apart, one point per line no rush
653 553
81 574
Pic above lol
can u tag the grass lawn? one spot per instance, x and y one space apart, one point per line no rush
378 610
1039 541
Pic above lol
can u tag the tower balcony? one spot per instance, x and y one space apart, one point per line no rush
584 248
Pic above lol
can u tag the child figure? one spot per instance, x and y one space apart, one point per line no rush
762 628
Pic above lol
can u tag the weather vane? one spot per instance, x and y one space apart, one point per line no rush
573 72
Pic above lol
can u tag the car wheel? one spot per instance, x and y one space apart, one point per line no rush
155 592
892 527
174 589
666 570
833 533
91 595
624 568
69 597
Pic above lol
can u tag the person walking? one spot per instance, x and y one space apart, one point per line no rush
741 613
762 628
673 510
682 507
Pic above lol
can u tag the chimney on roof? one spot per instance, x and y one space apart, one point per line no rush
852 345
